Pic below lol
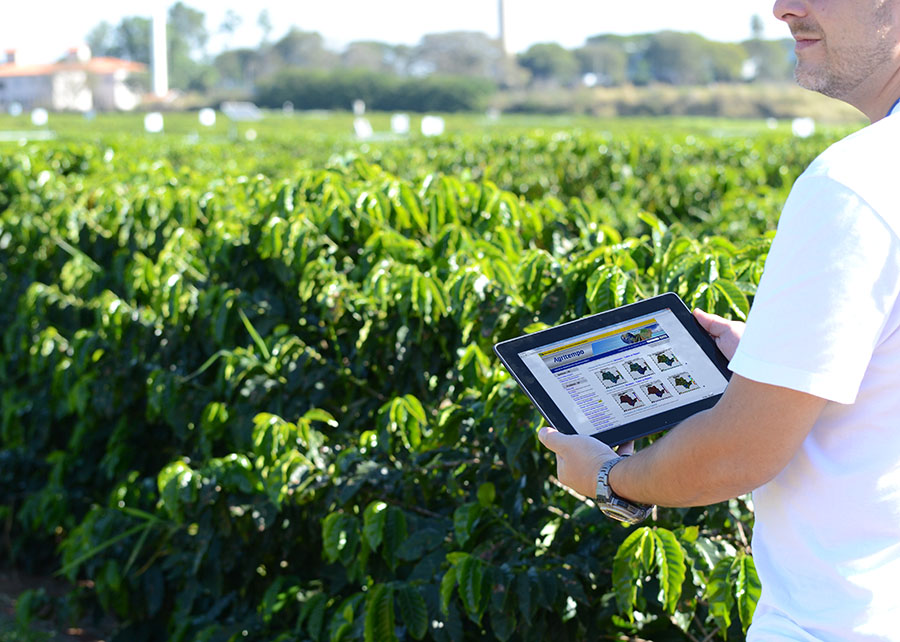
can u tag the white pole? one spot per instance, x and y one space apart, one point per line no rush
501 19
160 60
504 46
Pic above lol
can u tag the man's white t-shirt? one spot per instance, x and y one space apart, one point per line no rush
825 321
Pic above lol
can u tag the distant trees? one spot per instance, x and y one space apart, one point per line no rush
688 59
130 39
186 35
773 60
337 89
468 53
378 56
550 62
607 61
276 69
305 49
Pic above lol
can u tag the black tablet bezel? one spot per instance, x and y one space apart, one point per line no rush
509 351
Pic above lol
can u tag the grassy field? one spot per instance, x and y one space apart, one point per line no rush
737 101
276 125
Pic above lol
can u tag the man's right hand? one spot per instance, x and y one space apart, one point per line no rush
726 333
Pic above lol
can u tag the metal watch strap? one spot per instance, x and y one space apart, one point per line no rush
614 506
604 492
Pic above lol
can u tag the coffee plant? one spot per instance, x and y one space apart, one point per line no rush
240 405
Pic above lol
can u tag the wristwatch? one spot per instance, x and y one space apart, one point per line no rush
614 506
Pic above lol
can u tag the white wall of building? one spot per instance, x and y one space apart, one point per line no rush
72 91
111 92
28 91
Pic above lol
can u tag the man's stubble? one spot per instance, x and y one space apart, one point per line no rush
846 66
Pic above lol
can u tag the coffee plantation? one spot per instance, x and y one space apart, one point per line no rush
248 390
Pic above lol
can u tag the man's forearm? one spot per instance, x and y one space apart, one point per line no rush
724 452
683 469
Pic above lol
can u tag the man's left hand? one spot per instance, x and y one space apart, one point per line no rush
578 458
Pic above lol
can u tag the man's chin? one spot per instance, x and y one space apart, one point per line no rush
810 80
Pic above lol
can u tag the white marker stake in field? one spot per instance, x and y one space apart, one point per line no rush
432 126
363 128
153 122
803 127
39 117
207 117
400 124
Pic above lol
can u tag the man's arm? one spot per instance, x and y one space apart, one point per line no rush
731 449
746 439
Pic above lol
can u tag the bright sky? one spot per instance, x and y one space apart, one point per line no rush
42 30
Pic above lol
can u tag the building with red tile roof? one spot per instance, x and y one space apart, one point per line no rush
76 83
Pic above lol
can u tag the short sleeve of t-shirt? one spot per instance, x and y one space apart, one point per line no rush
830 282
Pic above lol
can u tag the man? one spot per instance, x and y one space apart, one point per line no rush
811 419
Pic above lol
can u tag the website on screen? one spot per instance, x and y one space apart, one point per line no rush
615 375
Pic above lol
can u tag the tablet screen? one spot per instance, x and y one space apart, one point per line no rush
618 374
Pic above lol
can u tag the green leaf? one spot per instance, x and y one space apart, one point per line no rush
486 494
74 564
503 624
647 548
406 416
471 575
316 414
523 593
629 564
500 581
609 287
448 583
414 407
263 349
339 629
672 567
419 543
395 533
453 624
313 613
339 537
176 483
550 586
413 611
737 301
465 519
379 624
746 589
719 594
374 518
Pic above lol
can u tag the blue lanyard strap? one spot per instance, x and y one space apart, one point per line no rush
893 107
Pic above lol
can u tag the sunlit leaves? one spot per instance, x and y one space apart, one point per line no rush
644 551
733 582
404 417
373 523
293 377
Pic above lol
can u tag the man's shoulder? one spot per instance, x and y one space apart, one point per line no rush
865 163
869 150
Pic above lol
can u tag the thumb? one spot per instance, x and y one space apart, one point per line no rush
712 323
552 438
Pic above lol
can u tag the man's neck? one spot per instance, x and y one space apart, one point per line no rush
879 103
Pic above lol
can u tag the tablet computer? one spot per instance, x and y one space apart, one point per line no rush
621 374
